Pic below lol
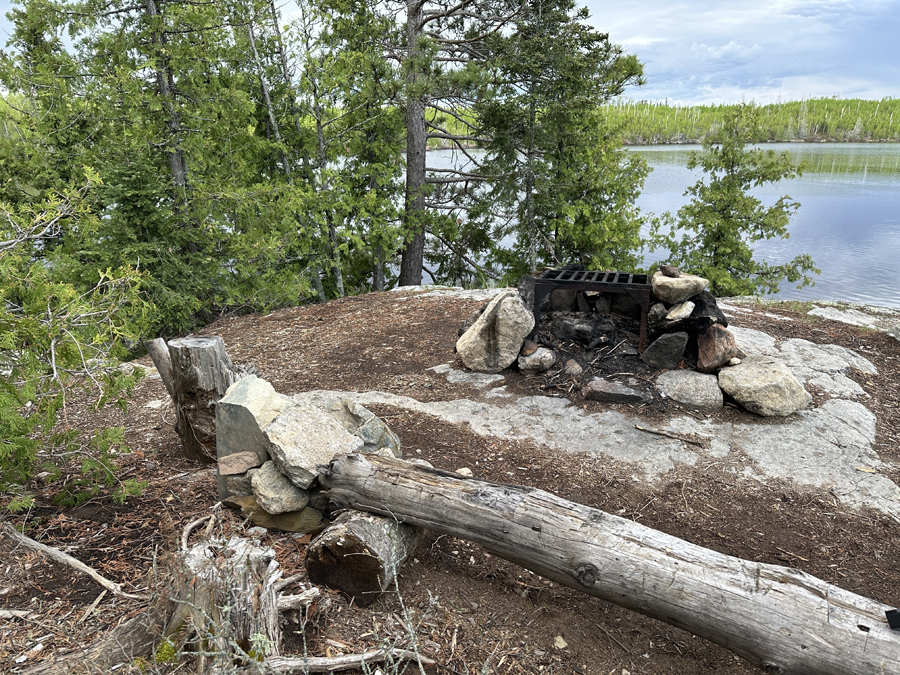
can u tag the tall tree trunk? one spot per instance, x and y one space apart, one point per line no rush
416 140
529 191
165 85
264 86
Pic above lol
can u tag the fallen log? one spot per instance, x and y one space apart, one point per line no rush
360 554
781 619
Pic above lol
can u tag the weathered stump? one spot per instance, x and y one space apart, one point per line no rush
779 618
197 372
226 603
360 554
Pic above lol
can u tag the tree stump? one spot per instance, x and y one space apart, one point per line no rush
360 554
226 594
197 372
781 619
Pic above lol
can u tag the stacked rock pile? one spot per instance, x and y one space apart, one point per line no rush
269 447
686 327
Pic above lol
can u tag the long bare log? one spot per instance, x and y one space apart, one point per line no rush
779 618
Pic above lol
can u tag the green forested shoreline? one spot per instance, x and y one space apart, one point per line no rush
813 120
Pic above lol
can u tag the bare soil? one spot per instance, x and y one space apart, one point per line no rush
468 610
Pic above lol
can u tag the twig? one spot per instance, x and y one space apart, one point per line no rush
793 555
284 583
66 559
93 606
319 664
15 613
609 635
677 437
186 534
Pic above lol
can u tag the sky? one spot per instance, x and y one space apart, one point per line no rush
757 50
727 51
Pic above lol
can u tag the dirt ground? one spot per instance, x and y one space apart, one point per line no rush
468 610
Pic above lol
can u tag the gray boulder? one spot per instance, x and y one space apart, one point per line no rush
607 391
893 331
240 484
563 300
275 493
764 385
691 388
304 437
666 351
494 340
367 426
242 415
657 313
675 290
538 362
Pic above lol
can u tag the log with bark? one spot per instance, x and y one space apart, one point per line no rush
197 372
779 618
360 554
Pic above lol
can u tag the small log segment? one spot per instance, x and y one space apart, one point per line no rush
197 372
360 554
781 619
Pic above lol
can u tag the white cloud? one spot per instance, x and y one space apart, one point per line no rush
741 50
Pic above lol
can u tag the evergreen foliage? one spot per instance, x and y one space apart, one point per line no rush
54 339
557 170
818 119
714 232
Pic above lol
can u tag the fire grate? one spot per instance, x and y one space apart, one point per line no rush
638 286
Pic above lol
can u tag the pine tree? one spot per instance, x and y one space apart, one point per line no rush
719 226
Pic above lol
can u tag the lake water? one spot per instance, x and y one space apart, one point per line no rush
848 221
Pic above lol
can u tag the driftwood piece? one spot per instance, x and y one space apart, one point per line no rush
779 618
197 372
66 559
360 554
159 353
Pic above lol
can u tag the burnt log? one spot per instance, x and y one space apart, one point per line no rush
779 618
360 554
197 372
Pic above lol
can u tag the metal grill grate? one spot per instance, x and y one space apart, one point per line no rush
636 285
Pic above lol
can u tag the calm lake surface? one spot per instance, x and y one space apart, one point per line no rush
848 221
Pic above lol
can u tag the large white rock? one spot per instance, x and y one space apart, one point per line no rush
675 290
764 385
691 388
494 340
242 415
304 437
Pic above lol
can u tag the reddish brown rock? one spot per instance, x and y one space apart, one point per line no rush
717 347
239 462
